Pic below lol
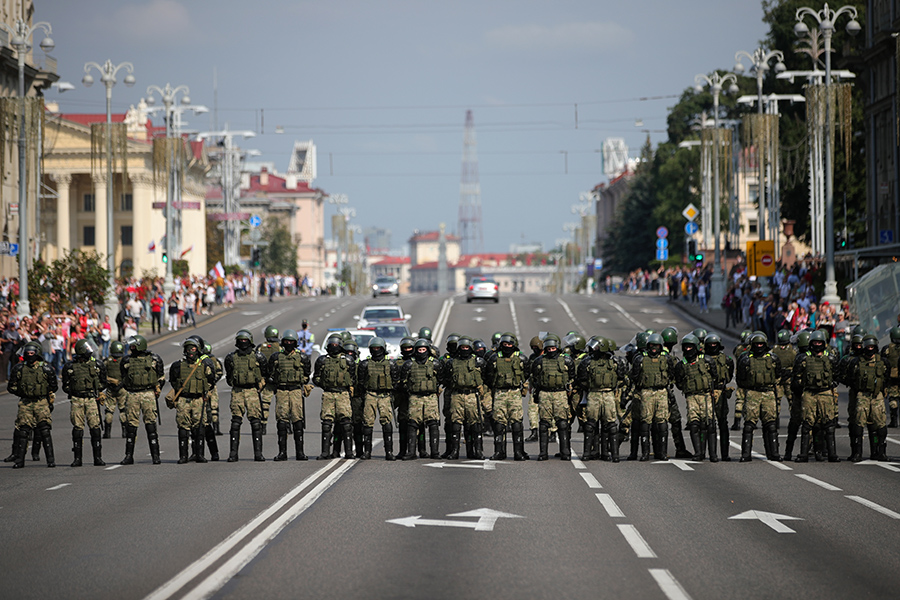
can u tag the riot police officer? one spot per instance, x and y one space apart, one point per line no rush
601 377
739 350
505 376
245 373
814 377
401 396
552 374
114 395
83 378
462 378
758 373
336 375
289 370
143 375
786 356
35 383
420 379
721 367
378 376
449 353
795 399
692 376
650 374
267 349
670 340
537 347
351 349
867 375
891 355
192 378
844 374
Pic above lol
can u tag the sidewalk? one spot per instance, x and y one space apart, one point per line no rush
714 319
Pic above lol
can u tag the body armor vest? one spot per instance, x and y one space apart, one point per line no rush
245 372
141 374
267 349
818 374
193 385
554 374
335 373
464 373
893 357
509 372
697 379
85 378
379 375
289 370
654 372
114 369
422 377
762 371
33 383
722 370
871 375
603 374
786 356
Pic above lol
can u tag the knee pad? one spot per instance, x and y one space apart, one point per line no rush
749 427
283 428
150 427
544 426
326 426
298 425
236 421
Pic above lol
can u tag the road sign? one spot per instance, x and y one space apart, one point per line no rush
662 243
761 258
255 221
255 235
487 518
773 520
691 227
662 255
690 212
8 249
241 216
662 232
598 264
886 236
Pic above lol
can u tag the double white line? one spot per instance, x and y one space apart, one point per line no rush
249 549
438 329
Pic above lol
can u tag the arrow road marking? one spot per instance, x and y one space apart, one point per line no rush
603 320
544 320
487 518
57 487
873 506
481 465
772 520
757 455
681 464
112 468
540 310
479 319
883 465
478 310
595 310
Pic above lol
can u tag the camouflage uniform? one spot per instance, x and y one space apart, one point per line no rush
891 355
419 379
378 377
505 375
245 373
463 379
601 377
693 377
651 378
552 374
143 375
336 375
267 396
35 383
194 379
288 371
758 372
83 379
813 376
867 374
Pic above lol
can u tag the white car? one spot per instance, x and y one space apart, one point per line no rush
385 314
483 288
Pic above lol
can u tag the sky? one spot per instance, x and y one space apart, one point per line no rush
382 88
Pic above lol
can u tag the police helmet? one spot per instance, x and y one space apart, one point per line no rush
243 336
859 329
817 336
495 338
452 342
593 345
334 344
803 340
207 349
700 333
376 342
690 340
670 336
271 333
345 336
654 339
745 335
289 335
550 342
712 343
479 347
640 340
535 344
422 343
425 332
82 348
407 343
191 343
350 348
117 348
856 340
870 341
784 336
32 350
895 335
138 343
508 338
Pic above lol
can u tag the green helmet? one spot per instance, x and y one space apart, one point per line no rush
138 343
465 341
690 340
576 341
895 334
859 329
508 338
856 340
376 342
334 344
612 344
271 333
207 349
495 339
745 335
759 342
290 335
350 347
535 344
452 342
870 341
593 345
345 336
117 348
191 343
784 336
649 331
423 343
425 332
700 333
407 342
515 340
243 335
803 340
817 336
35 348
641 340
670 336
552 336
82 348
654 339
712 343
198 339
550 342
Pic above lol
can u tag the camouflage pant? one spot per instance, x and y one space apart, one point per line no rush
423 409
382 402
213 399
554 406
700 408
674 411
631 415
140 402
818 408
84 409
738 403
654 406
893 395
464 408
508 406
188 413
32 413
602 406
289 406
111 401
759 406
265 401
534 415
245 402
870 411
335 406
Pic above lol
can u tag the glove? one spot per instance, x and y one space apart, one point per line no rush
101 399
524 391
308 389
352 391
170 399
157 390
261 385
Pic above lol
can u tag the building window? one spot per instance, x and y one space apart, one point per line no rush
125 203
752 226
126 235
88 205
88 236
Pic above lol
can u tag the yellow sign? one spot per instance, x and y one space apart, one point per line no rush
690 213
761 258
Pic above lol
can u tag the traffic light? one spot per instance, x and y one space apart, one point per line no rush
165 257
254 257
841 242
698 258
692 249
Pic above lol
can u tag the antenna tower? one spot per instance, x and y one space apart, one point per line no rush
471 238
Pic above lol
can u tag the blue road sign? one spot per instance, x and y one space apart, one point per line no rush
886 236
662 232
662 243
662 255
691 227
13 249
255 221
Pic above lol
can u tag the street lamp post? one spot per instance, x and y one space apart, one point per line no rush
19 41
168 97
826 19
108 77
338 200
715 82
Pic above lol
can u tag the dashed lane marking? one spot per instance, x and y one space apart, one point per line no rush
612 509
569 312
669 585
577 463
818 482
591 481
875 507
758 456
58 487
112 468
636 541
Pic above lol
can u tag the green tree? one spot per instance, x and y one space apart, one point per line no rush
280 256
77 277
215 244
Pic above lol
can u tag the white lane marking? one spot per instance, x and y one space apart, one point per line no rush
818 482
57 487
603 320
112 468
591 481
883 465
577 463
651 311
544 319
636 541
612 509
892 440
669 585
875 507
443 315
772 520
168 589
681 464
626 315
515 318
569 312
481 466
758 456
487 518
540 310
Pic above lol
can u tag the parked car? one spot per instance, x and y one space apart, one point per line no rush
483 288
386 286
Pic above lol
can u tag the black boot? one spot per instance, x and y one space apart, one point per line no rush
298 441
96 447
856 442
35 444
367 442
455 431
210 433
830 445
736 426
256 436
803 455
470 442
403 437
21 447
793 429
347 428
235 439
15 446
183 440
282 429
47 443
711 440
518 436
543 440
488 424
771 430
130 435
326 442
107 431
663 433
534 435
448 439
77 445
881 445
695 440
587 451
818 442
645 441
747 443
681 450
387 432
434 440
612 441
337 440
499 442
478 441
634 441
358 439
724 440
420 439
767 441
564 429
411 437
894 414
600 443
124 429
197 436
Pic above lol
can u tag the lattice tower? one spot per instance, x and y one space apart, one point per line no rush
471 238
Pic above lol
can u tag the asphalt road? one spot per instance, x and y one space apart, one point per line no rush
349 529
